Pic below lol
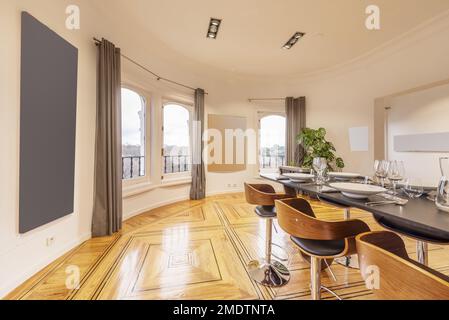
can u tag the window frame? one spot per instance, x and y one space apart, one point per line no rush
145 179
261 115
177 176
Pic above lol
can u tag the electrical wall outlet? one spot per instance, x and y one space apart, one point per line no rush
50 241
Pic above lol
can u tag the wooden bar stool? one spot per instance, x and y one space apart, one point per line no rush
390 272
269 272
321 240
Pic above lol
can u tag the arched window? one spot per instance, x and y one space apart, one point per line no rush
133 134
176 139
272 142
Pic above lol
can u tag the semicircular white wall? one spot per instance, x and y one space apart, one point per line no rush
336 99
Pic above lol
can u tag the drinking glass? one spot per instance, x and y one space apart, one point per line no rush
320 166
413 188
396 173
381 170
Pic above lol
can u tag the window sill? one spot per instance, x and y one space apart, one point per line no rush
171 181
137 189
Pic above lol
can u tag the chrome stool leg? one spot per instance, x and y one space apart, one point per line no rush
285 256
422 251
315 276
331 292
330 270
349 261
270 273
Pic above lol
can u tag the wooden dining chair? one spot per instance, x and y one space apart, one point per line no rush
391 274
320 240
268 272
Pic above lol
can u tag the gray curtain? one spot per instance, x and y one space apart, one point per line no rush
295 110
198 189
107 213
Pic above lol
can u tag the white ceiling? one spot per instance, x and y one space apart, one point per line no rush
253 31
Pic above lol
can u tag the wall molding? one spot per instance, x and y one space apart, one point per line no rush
421 32
154 206
175 200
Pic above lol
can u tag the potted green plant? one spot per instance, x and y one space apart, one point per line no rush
316 146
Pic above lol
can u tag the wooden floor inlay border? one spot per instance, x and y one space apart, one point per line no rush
196 250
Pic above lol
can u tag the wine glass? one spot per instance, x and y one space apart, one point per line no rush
381 170
413 188
376 169
320 166
396 173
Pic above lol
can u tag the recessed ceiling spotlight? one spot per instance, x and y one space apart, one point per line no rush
293 40
214 27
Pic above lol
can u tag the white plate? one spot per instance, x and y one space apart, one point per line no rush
299 177
343 175
356 190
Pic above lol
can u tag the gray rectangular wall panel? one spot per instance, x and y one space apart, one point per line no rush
431 142
49 66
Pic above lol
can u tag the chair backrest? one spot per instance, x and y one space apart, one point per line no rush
385 265
296 217
261 194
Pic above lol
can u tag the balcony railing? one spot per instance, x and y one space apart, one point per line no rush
133 167
272 161
176 164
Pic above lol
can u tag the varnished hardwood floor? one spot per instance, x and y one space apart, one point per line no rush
194 250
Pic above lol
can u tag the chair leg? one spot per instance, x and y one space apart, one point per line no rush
315 277
283 258
331 292
269 272
350 261
268 240
330 270
422 251
276 256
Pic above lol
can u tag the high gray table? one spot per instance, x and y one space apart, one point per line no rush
420 219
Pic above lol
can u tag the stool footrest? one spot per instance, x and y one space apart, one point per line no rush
271 275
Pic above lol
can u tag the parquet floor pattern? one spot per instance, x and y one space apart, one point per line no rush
194 250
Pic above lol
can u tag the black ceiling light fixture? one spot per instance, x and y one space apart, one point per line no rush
214 26
293 40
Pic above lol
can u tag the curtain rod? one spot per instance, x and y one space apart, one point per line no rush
158 77
266 99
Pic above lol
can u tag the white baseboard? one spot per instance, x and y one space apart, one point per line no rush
35 268
174 200
220 192
154 206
